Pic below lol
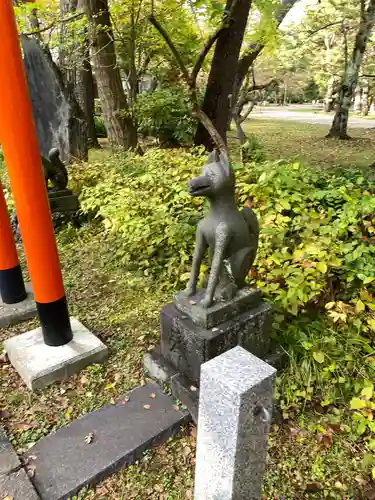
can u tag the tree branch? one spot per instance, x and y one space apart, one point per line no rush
227 18
52 25
172 47
206 49
321 28
191 83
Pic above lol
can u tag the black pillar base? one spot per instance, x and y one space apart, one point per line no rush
12 287
55 322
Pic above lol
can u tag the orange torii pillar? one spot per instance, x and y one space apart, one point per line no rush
12 287
22 158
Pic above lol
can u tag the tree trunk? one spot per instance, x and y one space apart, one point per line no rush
339 127
329 99
84 86
247 60
358 99
77 70
216 104
365 106
118 121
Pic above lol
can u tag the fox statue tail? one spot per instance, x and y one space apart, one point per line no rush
252 222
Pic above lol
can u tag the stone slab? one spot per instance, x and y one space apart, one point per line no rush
14 482
186 346
9 461
65 463
181 387
156 366
186 392
17 486
40 365
11 314
244 300
235 408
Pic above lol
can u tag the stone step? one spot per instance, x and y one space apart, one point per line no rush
65 462
14 482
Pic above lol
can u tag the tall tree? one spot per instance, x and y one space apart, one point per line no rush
116 113
217 104
74 60
349 80
254 50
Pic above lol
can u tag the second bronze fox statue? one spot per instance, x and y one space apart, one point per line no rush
230 235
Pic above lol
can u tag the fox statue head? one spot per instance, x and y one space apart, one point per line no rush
217 177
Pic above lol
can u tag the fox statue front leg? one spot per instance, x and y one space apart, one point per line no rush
200 248
222 238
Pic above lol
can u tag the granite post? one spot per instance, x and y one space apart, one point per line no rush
235 406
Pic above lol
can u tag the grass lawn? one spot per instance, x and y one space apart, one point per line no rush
311 454
307 143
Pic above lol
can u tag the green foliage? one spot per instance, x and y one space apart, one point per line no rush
144 201
164 113
315 261
100 127
253 150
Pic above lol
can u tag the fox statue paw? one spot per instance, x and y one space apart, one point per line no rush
190 291
206 302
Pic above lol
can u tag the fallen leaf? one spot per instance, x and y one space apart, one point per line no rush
125 400
193 431
89 438
153 395
146 407
30 469
8 498
4 358
186 451
84 380
101 490
4 414
193 302
193 388
176 407
23 426
314 487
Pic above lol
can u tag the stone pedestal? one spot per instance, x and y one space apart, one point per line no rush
63 201
40 365
192 335
11 314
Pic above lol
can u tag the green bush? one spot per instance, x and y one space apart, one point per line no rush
253 150
101 131
164 113
315 261
143 200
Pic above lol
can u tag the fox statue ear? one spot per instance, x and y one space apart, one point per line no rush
212 157
224 162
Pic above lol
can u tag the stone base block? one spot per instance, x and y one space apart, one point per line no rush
186 345
181 387
63 201
11 314
219 312
184 389
40 365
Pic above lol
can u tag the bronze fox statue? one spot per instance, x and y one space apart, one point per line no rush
54 170
230 235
